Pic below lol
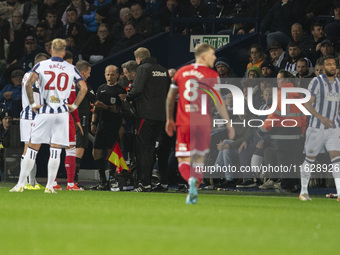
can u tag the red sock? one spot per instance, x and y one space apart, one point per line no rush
70 165
184 169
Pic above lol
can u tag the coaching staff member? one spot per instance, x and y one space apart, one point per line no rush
149 91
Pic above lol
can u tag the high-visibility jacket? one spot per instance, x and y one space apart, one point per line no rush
281 127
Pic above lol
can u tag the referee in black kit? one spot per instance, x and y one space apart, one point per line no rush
149 92
106 121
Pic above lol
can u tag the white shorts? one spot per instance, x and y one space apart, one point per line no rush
51 128
316 139
25 130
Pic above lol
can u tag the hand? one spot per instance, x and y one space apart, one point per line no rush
80 128
8 95
122 96
167 29
93 129
251 30
70 108
36 108
170 127
241 32
326 122
222 146
260 144
242 146
114 108
318 47
100 105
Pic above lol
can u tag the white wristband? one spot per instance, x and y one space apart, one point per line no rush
33 105
74 106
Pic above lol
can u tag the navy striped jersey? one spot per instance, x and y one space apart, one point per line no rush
326 103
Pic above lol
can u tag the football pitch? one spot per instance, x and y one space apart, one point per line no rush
94 222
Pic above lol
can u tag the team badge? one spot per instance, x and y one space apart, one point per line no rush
112 100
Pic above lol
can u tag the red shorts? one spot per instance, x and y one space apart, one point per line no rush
192 140
72 130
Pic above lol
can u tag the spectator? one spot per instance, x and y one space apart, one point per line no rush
41 33
8 7
47 46
256 56
144 25
276 53
267 69
171 8
32 12
326 48
130 38
106 121
4 51
254 72
17 24
196 9
52 22
10 95
115 9
311 48
289 63
58 5
125 16
99 45
302 72
90 17
80 5
316 8
150 88
278 21
72 47
332 30
222 67
32 49
71 19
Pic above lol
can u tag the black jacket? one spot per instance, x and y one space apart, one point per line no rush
150 88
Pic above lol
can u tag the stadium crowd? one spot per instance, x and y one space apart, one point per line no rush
296 47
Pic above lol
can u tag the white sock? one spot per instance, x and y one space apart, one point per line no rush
27 163
336 173
71 184
53 165
305 175
255 163
31 176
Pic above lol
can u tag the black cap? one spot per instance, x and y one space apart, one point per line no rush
5 113
268 64
275 45
16 73
223 61
327 41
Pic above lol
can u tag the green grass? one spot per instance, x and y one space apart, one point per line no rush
93 222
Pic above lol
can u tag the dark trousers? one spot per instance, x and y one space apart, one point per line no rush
147 132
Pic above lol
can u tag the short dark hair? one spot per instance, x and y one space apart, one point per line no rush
316 24
72 9
302 60
68 55
323 59
131 66
82 65
293 44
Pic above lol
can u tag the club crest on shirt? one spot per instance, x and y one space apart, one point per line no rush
54 99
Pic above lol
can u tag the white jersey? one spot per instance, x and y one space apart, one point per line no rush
27 112
326 103
55 82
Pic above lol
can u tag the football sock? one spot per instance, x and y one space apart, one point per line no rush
336 173
27 165
52 166
77 169
305 175
184 169
71 184
32 174
197 172
70 164
100 164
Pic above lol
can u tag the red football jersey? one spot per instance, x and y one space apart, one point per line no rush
193 81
